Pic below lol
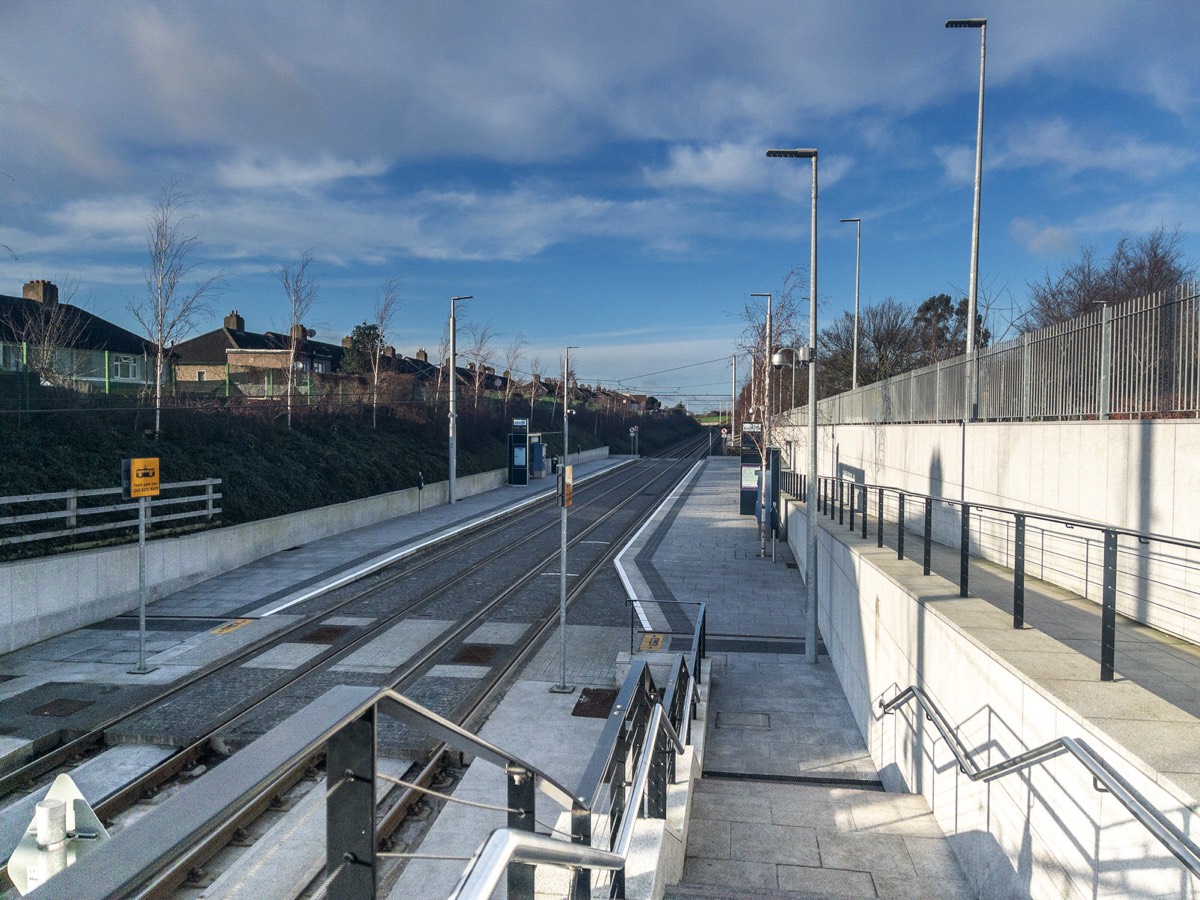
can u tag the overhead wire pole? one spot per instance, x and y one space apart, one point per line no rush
451 481
810 580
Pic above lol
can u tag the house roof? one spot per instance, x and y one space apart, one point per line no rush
213 346
19 318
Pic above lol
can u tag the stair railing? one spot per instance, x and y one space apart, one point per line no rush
1104 776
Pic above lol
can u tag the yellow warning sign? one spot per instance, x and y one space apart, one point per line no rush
143 477
652 641
231 626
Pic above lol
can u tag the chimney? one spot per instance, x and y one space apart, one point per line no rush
389 351
347 343
298 332
234 322
42 291
422 355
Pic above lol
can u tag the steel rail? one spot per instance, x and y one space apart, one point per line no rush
119 800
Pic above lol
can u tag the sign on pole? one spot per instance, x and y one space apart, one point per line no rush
566 485
139 477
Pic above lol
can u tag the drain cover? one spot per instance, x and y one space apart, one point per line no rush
475 654
61 708
595 703
325 634
743 720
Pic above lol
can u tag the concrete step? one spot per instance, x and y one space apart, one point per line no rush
798 840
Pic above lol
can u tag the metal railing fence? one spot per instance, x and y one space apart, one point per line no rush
629 775
1104 776
1147 577
62 514
1136 359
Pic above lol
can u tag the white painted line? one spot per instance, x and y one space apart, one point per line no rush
386 560
629 591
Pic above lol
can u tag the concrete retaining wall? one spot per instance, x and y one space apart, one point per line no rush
1045 832
42 598
1138 475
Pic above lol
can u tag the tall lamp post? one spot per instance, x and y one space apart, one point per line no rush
562 687
857 262
973 291
453 488
810 638
766 431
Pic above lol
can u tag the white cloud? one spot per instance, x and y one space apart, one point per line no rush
1043 239
282 173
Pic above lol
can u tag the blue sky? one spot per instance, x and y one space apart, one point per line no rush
593 173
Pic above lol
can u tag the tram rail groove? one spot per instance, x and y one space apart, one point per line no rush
112 805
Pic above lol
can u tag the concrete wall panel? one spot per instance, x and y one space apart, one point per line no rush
42 598
1045 832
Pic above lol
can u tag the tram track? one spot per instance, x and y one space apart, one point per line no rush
257 714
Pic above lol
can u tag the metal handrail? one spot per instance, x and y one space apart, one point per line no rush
1146 813
509 845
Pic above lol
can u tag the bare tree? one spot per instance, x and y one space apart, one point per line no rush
513 354
386 306
169 311
481 350
535 380
1136 268
787 322
300 286
445 364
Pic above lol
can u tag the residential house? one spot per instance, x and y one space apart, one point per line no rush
68 346
250 359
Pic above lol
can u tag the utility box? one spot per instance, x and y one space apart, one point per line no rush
518 452
537 457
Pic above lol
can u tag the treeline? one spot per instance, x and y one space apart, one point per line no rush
895 337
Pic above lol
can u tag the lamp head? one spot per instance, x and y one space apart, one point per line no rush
966 23
792 154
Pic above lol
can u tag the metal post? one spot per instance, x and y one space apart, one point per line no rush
964 552
142 668
857 263
928 534
900 531
72 509
841 499
853 492
208 501
879 522
350 809
1106 362
1108 619
864 512
521 799
452 482
1019 574
562 687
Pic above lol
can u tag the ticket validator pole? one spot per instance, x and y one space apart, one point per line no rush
139 480
564 499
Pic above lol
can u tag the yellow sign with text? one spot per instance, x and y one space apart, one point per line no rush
143 477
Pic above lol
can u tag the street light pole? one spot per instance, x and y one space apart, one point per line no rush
810 638
857 261
973 292
562 687
766 432
452 484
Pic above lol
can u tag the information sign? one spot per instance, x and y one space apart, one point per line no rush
141 476
566 485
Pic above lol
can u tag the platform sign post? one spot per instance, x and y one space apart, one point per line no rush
139 480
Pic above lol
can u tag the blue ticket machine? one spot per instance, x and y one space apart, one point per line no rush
518 452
